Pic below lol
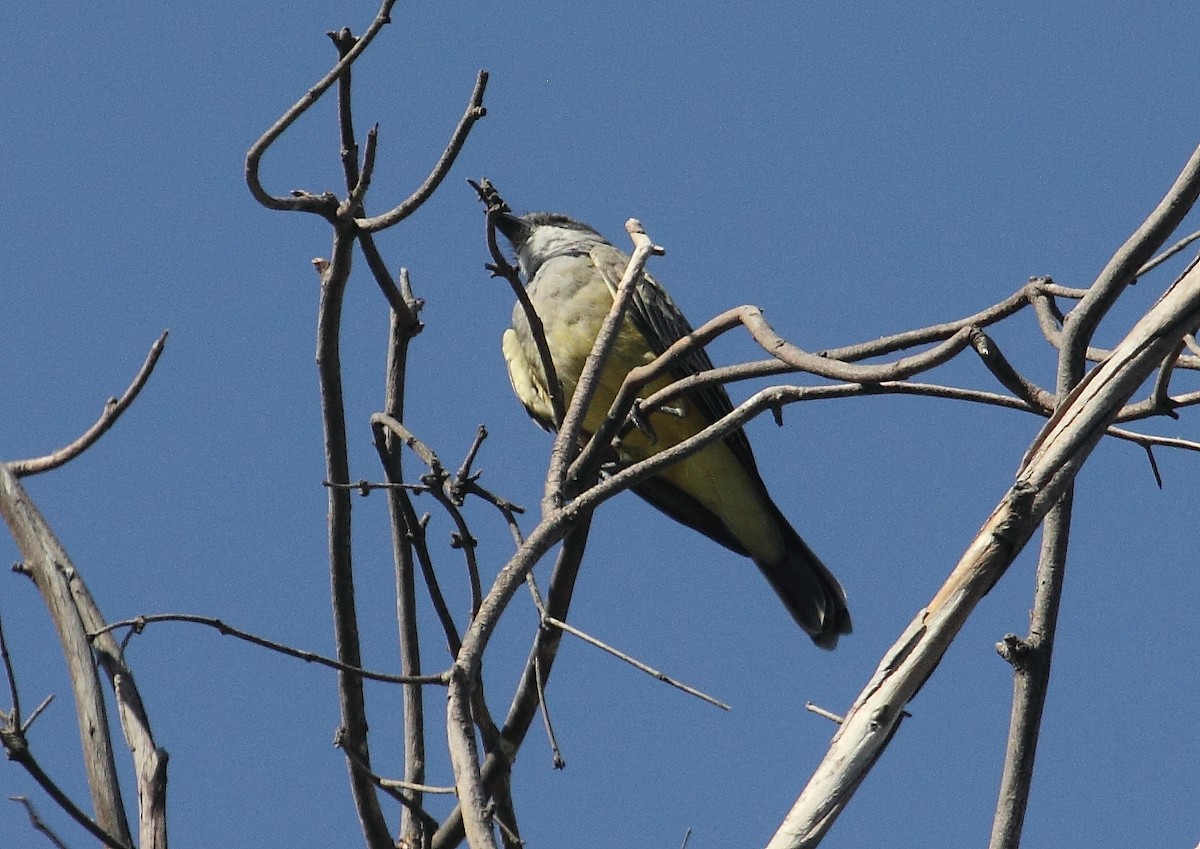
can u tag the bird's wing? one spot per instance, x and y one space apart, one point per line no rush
528 383
655 315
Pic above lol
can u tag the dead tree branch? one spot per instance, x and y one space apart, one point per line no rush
75 613
1031 658
1050 465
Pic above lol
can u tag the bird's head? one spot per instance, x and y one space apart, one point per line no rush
539 236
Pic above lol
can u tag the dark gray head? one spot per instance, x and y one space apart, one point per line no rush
539 236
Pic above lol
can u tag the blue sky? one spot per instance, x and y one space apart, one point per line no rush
855 171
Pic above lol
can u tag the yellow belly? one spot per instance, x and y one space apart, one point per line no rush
713 476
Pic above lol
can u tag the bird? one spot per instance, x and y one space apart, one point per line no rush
571 273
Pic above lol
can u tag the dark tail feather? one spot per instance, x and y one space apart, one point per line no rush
809 591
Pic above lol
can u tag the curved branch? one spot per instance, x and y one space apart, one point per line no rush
475 110
112 411
324 205
1167 254
37 822
1122 268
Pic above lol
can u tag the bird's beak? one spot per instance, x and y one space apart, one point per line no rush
513 228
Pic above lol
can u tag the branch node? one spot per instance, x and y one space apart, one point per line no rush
1015 651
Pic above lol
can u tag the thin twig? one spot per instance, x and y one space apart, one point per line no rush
1160 395
820 711
507 509
389 787
139 623
36 712
494 205
456 486
1167 254
509 832
555 751
432 789
14 695
344 41
540 679
37 822
17 750
634 662
383 425
462 538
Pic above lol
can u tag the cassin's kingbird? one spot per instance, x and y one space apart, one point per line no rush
572 274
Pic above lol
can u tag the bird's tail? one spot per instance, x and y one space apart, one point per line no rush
808 589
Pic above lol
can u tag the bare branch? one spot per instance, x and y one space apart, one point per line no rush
566 441
344 41
473 113
500 267
537 671
112 411
36 712
1050 465
345 615
820 711
464 755
138 625
18 752
383 426
1167 254
1030 660
635 663
37 822
1012 380
403 327
395 789
556 752
1160 395
324 205
50 567
1124 265
14 695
